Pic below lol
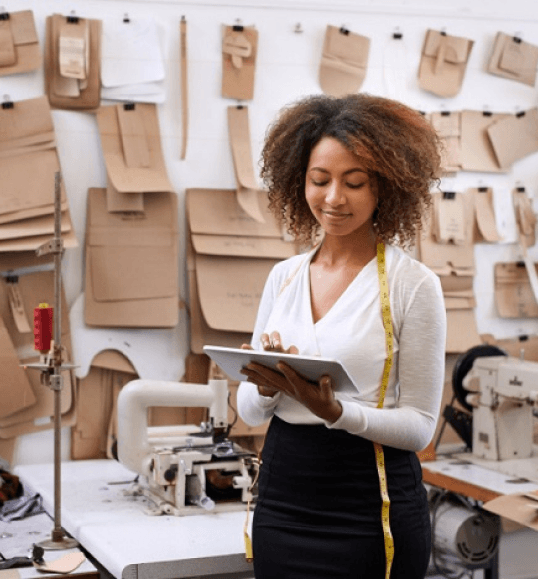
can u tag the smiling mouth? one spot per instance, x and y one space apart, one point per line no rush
335 214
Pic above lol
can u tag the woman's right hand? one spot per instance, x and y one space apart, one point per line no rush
272 343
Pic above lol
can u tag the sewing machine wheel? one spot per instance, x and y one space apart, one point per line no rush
219 485
464 364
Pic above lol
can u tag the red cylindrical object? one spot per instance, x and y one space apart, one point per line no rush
43 316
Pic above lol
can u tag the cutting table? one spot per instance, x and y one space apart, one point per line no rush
130 544
18 537
126 541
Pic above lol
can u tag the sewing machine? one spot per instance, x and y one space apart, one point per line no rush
185 469
502 392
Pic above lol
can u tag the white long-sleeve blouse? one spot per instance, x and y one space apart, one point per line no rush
352 331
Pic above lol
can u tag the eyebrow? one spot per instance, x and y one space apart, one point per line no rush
345 172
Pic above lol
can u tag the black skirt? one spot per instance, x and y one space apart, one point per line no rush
318 513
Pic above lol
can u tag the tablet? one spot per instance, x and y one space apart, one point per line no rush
231 360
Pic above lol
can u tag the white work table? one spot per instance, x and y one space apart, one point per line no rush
18 537
482 479
125 540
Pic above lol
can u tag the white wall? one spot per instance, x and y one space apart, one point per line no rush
287 68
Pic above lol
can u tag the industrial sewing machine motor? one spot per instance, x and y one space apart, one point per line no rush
502 392
185 469
498 395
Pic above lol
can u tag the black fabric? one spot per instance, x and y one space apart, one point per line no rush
318 513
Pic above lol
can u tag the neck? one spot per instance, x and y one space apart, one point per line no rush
347 250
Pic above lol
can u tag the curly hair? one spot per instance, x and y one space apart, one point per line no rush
396 144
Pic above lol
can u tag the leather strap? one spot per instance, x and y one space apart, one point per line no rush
184 91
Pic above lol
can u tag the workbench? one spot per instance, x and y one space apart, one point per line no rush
129 543
18 537
484 480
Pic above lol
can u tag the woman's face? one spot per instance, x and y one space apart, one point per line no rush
338 190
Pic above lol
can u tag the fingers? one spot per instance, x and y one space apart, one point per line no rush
276 341
298 386
262 376
246 347
271 341
288 371
326 384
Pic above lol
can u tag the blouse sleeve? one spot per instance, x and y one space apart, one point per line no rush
253 408
411 425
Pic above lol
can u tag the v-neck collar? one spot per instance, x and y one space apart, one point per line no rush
307 287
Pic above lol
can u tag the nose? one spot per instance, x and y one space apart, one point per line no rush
334 194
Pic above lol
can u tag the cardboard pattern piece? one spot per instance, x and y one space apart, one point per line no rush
73 62
454 264
131 142
443 63
521 508
477 152
485 227
513 58
28 165
514 137
344 61
64 564
19 44
449 219
525 218
132 264
15 389
239 52
514 297
447 257
96 395
247 186
117 202
228 261
448 127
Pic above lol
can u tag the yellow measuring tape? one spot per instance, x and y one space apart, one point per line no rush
379 455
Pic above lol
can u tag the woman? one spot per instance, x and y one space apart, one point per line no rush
356 173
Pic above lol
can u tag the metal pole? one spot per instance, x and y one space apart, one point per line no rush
58 540
57 334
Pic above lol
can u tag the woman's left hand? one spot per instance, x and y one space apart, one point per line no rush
317 397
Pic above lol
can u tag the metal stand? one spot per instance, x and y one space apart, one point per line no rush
51 371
